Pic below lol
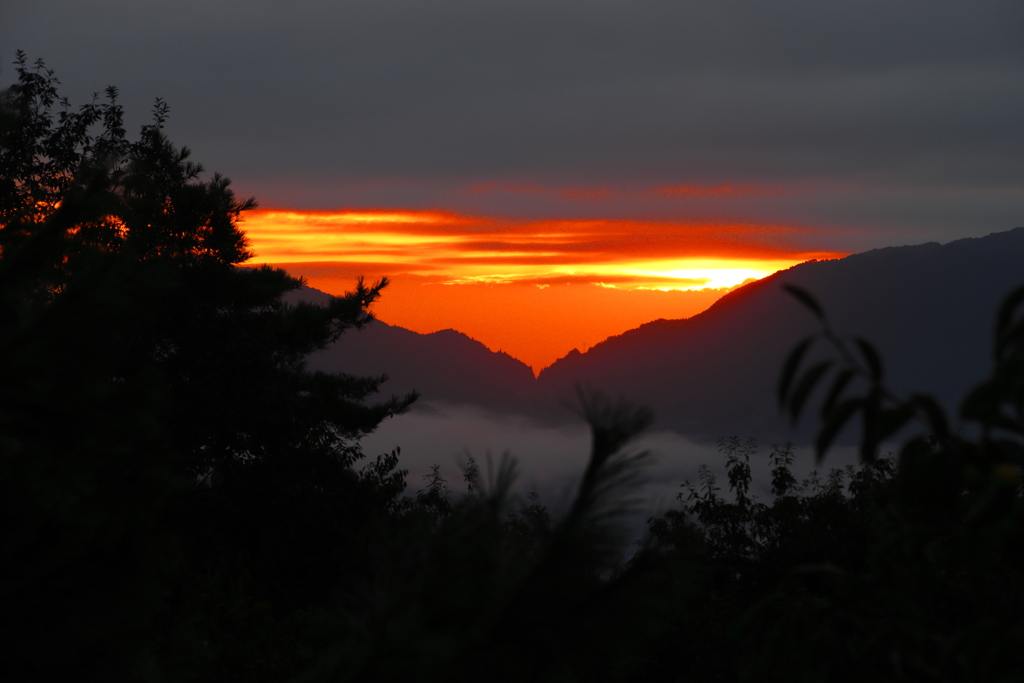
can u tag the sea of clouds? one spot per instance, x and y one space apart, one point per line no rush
551 459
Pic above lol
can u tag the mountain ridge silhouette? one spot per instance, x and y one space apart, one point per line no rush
929 308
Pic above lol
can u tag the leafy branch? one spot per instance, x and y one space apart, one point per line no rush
882 412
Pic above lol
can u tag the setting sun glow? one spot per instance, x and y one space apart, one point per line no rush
535 289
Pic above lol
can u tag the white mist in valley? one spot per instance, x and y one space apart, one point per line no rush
551 459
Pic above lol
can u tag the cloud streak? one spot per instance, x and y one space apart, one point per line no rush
535 289
462 249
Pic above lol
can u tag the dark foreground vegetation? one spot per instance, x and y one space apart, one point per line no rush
182 500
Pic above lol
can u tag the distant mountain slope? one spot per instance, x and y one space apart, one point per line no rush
928 308
443 366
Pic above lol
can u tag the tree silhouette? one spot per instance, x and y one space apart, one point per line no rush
155 405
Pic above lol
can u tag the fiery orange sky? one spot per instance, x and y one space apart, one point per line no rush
535 289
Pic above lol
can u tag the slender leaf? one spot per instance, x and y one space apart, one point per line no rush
980 402
891 421
1007 338
933 412
807 299
1000 421
806 385
871 416
870 354
790 367
1007 309
842 380
833 423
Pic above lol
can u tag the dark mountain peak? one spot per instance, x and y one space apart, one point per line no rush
446 365
307 294
664 328
569 360
454 338
575 353
992 244
928 308
448 334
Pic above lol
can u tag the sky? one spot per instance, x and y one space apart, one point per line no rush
533 288
540 175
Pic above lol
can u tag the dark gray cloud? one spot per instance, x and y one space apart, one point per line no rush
904 115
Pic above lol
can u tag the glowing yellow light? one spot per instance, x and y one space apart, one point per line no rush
346 217
354 217
704 273
577 281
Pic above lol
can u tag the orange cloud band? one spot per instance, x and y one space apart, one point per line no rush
535 289
457 246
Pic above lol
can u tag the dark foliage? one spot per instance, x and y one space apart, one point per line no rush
159 430
182 500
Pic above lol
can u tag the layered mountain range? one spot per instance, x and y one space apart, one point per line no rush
929 309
